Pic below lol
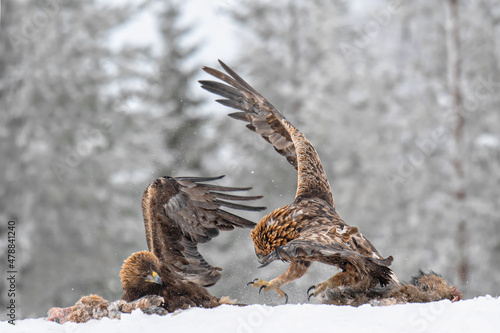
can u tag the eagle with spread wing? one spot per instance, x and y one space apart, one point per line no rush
178 214
309 229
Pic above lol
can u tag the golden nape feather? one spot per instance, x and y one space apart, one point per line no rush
133 275
267 236
309 229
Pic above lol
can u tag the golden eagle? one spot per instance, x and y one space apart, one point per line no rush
178 214
309 229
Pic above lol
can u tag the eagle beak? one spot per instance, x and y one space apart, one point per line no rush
263 260
153 278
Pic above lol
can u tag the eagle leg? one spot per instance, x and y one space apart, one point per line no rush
296 269
348 278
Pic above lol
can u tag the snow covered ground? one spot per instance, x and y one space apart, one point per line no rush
481 314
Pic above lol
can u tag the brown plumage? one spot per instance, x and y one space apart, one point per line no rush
142 275
422 289
178 214
309 229
181 212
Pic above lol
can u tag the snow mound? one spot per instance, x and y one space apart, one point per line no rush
480 314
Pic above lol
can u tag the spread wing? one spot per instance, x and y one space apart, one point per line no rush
263 118
181 212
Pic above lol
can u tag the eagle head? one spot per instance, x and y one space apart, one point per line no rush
275 229
140 272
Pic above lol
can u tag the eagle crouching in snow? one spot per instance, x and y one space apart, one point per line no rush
178 214
143 275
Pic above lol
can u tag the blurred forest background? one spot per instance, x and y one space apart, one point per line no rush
400 98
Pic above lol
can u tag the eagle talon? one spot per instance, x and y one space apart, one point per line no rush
252 282
320 288
262 287
259 283
267 286
309 293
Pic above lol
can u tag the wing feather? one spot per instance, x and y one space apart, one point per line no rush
181 212
268 122
334 253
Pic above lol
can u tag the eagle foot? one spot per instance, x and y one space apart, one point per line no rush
267 286
317 289
347 278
